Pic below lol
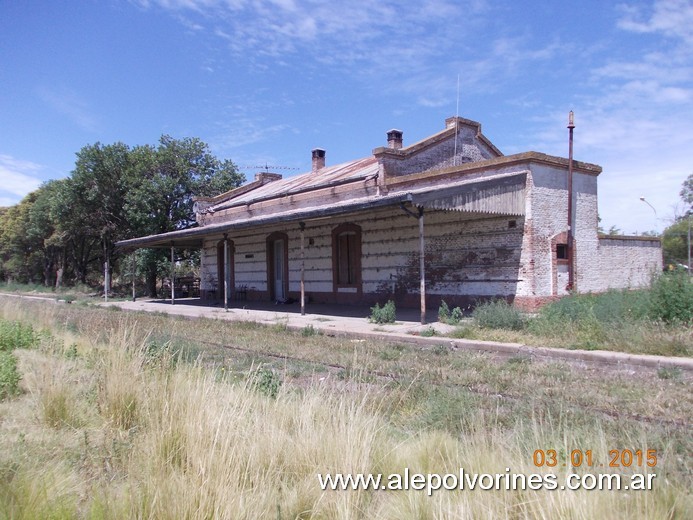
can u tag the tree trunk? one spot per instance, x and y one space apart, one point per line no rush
151 279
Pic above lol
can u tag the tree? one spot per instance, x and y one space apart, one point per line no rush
161 184
27 253
676 238
42 232
89 208
686 193
114 192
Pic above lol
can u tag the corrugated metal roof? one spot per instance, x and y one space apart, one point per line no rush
345 172
501 195
498 194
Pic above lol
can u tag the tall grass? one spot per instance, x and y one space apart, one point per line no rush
145 437
656 320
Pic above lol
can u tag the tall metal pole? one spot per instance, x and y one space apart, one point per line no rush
571 252
422 288
303 268
173 276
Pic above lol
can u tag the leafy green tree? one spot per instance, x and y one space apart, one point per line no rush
27 253
686 193
89 209
14 247
675 243
675 239
114 192
162 183
41 231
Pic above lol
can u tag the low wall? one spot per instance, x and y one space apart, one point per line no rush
627 262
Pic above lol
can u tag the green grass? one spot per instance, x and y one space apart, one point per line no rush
14 334
656 320
241 430
9 376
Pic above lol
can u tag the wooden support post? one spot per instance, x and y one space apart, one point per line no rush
173 276
134 274
227 273
303 268
422 266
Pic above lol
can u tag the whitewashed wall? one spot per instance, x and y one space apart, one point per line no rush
627 262
465 254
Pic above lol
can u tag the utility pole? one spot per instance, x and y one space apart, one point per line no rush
571 252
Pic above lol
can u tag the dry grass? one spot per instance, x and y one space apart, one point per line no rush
147 421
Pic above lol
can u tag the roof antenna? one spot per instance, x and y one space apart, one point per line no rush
457 114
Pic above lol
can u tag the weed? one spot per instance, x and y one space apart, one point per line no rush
669 373
384 314
57 407
71 352
160 354
672 298
390 353
266 381
281 325
519 360
441 350
428 332
445 315
498 314
9 376
309 331
443 312
463 332
14 334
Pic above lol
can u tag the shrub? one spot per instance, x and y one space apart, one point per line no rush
445 315
266 381
498 314
384 314
671 298
9 376
455 316
443 312
14 334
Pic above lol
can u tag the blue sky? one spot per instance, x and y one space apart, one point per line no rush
265 81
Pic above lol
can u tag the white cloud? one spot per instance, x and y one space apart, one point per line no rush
68 103
672 18
17 179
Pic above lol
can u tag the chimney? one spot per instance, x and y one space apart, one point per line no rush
394 139
318 159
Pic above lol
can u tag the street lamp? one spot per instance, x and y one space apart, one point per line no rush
653 209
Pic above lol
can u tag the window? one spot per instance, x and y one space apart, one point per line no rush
346 255
562 251
346 267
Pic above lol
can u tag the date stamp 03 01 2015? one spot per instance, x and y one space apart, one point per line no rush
617 458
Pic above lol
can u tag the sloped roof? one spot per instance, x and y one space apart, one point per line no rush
494 185
499 194
328 176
